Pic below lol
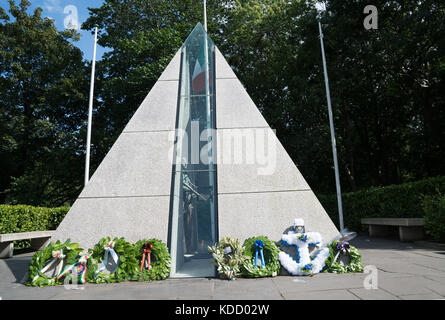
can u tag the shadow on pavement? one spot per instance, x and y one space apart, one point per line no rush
363 241
19 267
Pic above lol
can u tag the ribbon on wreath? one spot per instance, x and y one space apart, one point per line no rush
259 245
146 253
302 237
109 250
81 266
57 256
343 247
307 267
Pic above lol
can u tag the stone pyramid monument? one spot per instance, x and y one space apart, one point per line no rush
191 167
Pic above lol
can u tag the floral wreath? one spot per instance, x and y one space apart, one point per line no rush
305 265
228 255
121 252
262 259
154 260
338 248
55 255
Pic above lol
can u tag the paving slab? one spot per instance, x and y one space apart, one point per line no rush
406 286
381 275
246 289
373 294
319 282
404 272
426 296
438 279
407 268
437 287
132 292
321 295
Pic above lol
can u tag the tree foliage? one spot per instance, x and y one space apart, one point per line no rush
386 85
42 102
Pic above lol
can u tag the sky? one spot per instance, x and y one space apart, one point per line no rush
65 11
76 11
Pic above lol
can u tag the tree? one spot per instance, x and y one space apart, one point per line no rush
142 37
42 108
386 84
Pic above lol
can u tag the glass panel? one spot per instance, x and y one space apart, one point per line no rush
196 141
193 78
194 209
193 203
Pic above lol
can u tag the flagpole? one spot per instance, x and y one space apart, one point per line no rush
331 124
205 15
90 112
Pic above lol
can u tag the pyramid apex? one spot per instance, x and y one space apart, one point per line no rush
199 28
198 34
199 25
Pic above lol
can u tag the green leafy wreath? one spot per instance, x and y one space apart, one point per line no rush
160 261
42 258
270 252
228 255
128 264
355 264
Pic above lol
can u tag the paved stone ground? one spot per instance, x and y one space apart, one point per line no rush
405 271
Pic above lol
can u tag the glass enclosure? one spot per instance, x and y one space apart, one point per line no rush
193 200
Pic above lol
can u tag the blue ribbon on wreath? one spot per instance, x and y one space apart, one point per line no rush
307 267
302 237
259 245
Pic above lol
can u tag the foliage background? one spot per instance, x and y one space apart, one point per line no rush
396 201
28 218
21 218
387 88
434 207
420 199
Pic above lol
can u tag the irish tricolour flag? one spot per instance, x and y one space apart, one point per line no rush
199 77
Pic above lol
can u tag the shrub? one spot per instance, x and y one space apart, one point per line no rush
434 208
22 218
396 201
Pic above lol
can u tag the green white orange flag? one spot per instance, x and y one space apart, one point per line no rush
199 78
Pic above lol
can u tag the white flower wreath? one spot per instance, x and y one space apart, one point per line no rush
304 264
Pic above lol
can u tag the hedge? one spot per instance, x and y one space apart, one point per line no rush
434 207
22 218
395 201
